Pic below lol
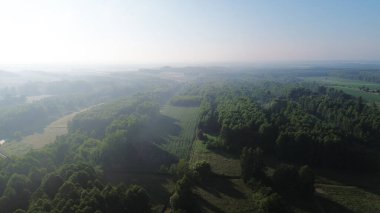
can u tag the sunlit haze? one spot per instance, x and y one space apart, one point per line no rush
133 32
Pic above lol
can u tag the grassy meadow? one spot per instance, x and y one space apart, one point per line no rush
180 142
221 163
38 139
350 87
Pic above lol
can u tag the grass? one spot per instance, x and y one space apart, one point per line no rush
350 86
337 191
180 142
356 92
347 191
221 163
220 194
224 195
38 140
174 132
334 81
349 198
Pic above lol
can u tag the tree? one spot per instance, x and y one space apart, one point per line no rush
285 179
51 184
16 194
182 198
202 170
137 200
306 179
272 203
252 163
68 191
268 135
182 169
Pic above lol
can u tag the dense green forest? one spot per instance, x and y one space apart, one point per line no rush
282 134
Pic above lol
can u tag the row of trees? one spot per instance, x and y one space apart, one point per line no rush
183 199
286 181
318 126
55 179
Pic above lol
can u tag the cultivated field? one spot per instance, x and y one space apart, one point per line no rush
180 142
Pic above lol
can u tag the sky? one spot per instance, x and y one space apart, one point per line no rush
187 31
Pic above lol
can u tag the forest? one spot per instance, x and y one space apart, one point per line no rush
210 141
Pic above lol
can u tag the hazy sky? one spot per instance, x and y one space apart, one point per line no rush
187 31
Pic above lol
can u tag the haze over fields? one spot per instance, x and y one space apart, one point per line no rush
189 106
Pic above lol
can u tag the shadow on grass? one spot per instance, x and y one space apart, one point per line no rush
203 205
369 182
153 184
161 128
227 154
218 186
331 206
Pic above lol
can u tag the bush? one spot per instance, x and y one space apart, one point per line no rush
202 171
306 178
285 179
252 164
272 204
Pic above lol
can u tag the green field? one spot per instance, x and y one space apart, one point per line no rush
359 192
221 163
348 198
221 194
179 142
350 87
174 131
225 192
38 140
334 81
225 195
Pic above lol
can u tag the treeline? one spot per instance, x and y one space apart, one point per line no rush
274 190
70 175
320 126
21 119
371 75
123 129
29 118
186 101
56 179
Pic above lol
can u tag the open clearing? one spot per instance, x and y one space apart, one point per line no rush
225 192
350 86
39 140
176 132
349 198
221 163
221 194
224 195
180 142
350 192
